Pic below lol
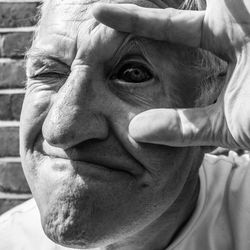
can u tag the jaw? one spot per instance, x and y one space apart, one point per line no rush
73 222
162 232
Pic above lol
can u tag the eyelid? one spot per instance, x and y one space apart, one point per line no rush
47 74
38 67
131 46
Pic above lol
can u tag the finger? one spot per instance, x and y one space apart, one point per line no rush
172 25
181 127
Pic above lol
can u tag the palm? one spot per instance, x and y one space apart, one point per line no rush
225 26
231 42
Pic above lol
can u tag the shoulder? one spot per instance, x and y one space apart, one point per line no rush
232 167
17 224
20 228
26 207
19 216
221 219
227 181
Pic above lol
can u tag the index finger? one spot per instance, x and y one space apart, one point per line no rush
172 25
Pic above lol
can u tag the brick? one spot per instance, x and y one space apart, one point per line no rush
9 138
12 73
7 204
17 29
15 45
5 109
18 14
12 178
16 106
11 104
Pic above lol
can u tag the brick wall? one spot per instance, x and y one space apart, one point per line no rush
17 20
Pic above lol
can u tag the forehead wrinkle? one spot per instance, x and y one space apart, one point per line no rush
81 13
77 11
77 14
94 43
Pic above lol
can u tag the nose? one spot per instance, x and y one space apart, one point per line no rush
74 116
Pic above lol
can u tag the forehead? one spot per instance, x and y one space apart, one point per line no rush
67 25
85 4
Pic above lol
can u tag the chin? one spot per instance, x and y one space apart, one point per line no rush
68 222
76 209
89 220
74 218
77 215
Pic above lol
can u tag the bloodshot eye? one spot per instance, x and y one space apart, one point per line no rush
133 72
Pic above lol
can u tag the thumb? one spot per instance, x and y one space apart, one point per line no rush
179 127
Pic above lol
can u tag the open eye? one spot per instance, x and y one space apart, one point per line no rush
133 72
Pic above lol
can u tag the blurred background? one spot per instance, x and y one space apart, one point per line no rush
17 21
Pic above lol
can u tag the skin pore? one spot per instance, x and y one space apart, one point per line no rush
94 185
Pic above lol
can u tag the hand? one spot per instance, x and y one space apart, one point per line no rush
224 29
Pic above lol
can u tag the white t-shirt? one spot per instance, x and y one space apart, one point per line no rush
221 220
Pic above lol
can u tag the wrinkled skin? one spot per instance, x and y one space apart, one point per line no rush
93 184
223 28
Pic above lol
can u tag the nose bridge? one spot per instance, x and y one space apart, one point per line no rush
72 98
71 120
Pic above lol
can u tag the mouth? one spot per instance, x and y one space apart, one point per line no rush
78 165
98 156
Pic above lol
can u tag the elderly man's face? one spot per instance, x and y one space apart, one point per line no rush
92 182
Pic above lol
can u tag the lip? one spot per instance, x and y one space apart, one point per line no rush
58 170
77 164
61 164
103 160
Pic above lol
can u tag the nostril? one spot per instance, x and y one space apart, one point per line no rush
58 137
65 128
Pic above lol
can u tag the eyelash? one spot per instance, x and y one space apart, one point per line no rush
54 79
116 75
49 75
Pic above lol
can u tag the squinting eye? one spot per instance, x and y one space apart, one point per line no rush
133 72
49 75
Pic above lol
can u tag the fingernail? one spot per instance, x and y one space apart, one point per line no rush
140 126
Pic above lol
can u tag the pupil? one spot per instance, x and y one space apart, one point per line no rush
137 72
135 75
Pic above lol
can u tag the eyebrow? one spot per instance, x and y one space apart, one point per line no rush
39 54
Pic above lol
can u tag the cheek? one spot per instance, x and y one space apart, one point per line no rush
167 168
140 98
35 107
164 166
